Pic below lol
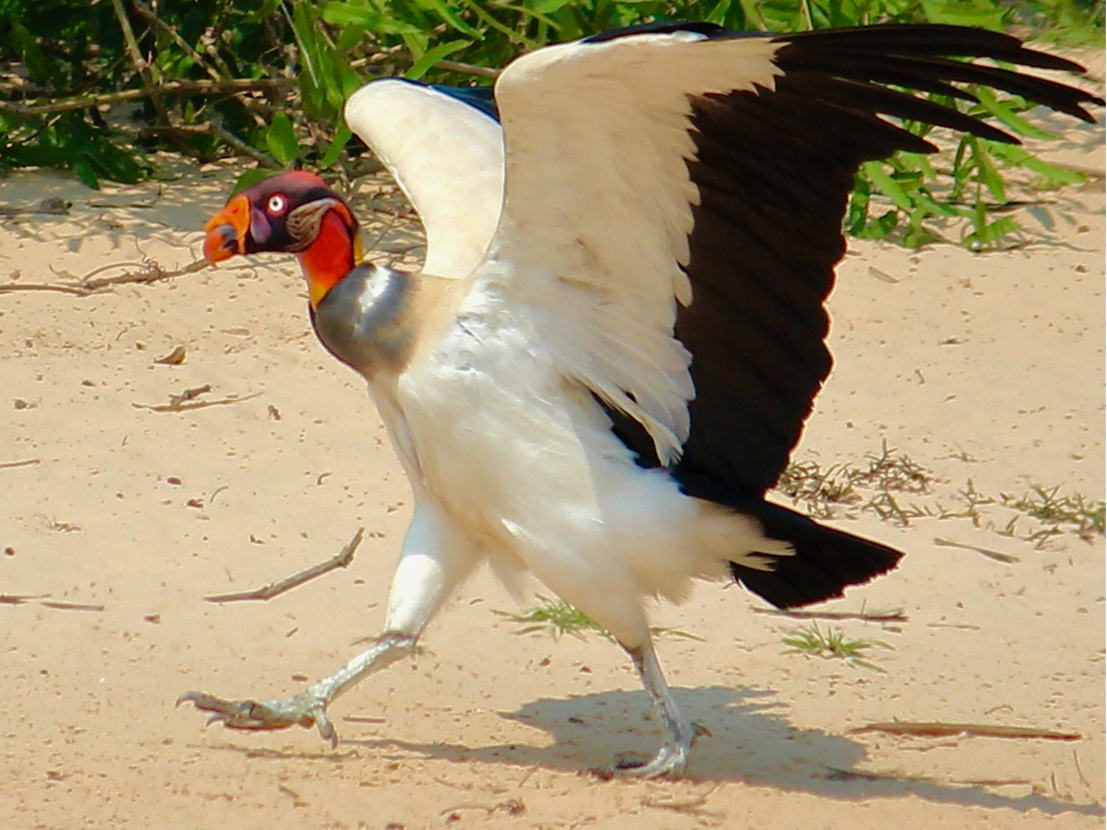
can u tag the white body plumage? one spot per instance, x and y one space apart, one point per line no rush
518 464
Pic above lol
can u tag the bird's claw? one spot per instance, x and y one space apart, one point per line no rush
274 714
668 763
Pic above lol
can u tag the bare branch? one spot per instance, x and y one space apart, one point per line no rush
186 400
140 62
991 554
227 87
467 69
946 730
8 465
890 616
149 14
72 606
344 558
211 128
147 271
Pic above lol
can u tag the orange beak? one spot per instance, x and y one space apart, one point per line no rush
226 231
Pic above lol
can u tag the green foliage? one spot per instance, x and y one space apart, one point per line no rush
557 617
1087 516
554 617
66 103
833 645
281 139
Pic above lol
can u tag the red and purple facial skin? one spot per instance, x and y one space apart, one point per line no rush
256 220
293 212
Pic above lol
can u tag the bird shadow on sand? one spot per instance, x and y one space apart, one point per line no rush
749 741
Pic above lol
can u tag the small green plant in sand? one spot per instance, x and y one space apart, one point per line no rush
1048 506
557 617
825 492
554 617
833 645
888 471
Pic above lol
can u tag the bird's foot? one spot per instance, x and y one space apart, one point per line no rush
669 762
304 709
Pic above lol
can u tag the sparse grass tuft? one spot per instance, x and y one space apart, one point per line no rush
1049 507
557 617
807 482
833 644
887 471
841 488
892 471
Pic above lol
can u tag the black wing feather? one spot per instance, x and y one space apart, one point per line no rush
774 171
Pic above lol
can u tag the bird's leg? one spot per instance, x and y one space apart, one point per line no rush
671 759
309 707
424 577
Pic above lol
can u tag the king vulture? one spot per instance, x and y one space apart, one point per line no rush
619 328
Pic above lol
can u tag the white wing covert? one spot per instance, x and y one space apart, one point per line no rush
598 207
447 157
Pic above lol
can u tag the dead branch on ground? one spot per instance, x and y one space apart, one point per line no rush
344 558
8 465
186 400
946 730
146 271
1006 558
890 616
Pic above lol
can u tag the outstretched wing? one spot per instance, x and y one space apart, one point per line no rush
445 149
672 213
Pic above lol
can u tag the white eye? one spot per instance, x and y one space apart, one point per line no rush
277 204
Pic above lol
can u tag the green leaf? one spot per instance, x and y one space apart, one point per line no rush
549 6
988 234
281 140
988 175
341 139
250 178
26 45
433 56
84 171
347 14
451 17
303 26
887 185
983 14
1012 154
1005 113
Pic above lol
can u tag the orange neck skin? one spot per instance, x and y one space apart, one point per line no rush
329 258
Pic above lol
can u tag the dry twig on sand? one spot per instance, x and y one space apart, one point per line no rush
947 730
344 558
896 616
186 400
19 599
1006 558
145 271
8 465
72 606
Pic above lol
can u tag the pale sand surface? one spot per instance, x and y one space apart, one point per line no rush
986 369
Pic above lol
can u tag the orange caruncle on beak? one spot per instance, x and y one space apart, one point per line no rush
226 231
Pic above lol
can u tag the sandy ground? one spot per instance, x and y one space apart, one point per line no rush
986 371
